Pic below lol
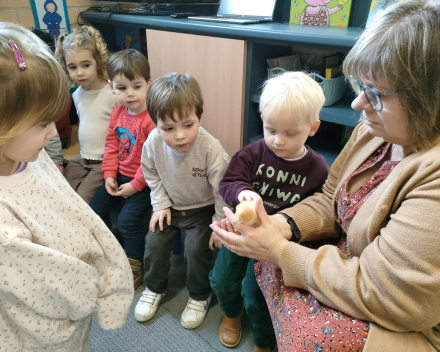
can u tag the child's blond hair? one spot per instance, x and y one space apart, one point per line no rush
86 38
34 95
174 93
292 94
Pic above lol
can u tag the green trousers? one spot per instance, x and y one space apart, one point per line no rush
234 283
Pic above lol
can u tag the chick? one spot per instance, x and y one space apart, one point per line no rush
246 213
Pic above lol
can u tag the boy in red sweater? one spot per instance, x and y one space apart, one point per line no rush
130 125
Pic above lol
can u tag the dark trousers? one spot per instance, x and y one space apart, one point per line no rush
234 283
199 259
130 217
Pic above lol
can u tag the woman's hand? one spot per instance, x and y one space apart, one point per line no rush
265 242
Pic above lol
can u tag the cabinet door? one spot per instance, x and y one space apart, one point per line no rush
218 64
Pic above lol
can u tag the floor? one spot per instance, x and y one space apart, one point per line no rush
175 302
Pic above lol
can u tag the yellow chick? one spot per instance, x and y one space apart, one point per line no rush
246 213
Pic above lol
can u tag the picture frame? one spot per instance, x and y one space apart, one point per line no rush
334 13
51 16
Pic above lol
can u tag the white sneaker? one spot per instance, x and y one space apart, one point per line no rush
194 313
146 308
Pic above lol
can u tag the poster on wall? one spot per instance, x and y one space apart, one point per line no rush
335 13
127 37
51 16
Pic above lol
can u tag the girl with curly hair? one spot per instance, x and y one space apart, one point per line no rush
83 55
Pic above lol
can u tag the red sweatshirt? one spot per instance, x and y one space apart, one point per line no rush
123 147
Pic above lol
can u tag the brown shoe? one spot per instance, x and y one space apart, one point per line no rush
138 272
230 331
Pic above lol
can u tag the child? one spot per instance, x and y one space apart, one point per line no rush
282 171
183 165
130 125
84 56
59 262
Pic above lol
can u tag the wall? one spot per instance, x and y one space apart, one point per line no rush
20 11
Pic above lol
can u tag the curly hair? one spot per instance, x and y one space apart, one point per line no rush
88 38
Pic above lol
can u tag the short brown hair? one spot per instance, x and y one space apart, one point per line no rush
86 38
38 94
130 63
174 93
402 49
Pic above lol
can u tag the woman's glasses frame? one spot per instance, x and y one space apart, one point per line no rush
372 95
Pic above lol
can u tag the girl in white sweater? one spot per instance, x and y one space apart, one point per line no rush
83 55
58 261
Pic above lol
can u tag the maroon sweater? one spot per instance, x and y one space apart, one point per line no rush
279 182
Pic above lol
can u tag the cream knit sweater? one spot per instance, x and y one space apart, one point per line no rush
392 277
58 264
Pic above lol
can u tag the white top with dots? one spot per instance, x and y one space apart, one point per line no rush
58 264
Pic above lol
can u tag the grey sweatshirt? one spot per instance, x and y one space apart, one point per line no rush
185 180
53 149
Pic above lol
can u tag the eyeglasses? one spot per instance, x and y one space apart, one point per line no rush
373 96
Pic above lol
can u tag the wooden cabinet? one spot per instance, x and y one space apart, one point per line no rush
219 66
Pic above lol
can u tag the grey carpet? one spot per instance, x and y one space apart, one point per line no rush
164 333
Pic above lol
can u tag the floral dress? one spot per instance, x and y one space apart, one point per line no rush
301 323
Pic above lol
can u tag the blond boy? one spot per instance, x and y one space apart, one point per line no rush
282 171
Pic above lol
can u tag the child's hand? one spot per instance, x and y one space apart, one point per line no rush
214 242
159 216
126 190
248 195
111 186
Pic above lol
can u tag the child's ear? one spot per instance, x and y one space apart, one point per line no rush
262 117
314 128
111 86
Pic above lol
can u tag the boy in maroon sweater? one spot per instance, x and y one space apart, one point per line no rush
282 171
130 125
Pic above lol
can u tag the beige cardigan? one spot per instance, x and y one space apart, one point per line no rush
392 277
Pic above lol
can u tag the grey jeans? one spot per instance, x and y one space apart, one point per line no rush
199 259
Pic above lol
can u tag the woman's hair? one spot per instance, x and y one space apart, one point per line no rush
402 50
292 95
130 63
34 95
86 38
174 93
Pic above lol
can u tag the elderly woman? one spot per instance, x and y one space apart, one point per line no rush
378 289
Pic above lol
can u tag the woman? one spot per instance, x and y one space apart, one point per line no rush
382 197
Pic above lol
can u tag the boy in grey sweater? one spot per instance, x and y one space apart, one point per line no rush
183 165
